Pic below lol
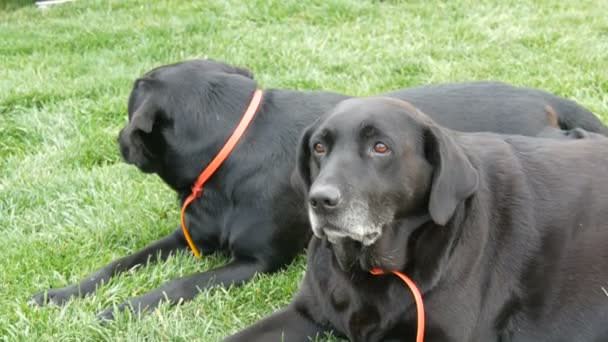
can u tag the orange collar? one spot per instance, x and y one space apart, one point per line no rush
222 155
417 298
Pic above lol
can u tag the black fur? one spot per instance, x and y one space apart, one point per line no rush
504 235
179 117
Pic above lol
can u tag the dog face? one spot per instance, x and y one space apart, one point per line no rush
170 109
371 163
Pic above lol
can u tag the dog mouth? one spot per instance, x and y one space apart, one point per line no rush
141 160
350 249
143 165
350 237
388 248
335 235
336 228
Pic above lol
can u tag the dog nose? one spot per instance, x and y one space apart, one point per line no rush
324 197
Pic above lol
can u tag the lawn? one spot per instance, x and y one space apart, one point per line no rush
68 204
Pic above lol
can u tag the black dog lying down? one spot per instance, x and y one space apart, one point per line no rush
506 236
181 114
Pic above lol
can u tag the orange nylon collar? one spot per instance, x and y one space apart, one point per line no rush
222 155
417 297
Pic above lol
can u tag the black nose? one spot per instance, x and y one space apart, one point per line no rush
324 197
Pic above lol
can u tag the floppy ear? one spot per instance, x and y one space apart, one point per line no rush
142 121
454 178
300 178
243 71
144 116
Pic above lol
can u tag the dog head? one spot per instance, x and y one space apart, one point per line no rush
175 111
371 163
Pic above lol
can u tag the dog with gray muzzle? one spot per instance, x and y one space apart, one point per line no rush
505 236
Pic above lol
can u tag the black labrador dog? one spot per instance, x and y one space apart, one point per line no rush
179 117
505 236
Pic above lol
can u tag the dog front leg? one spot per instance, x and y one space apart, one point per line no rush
158 250
286 325
186 288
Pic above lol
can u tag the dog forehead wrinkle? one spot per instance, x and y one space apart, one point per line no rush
380 117
367 129
401 108
343 116
375 104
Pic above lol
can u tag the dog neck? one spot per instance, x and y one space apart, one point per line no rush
394 250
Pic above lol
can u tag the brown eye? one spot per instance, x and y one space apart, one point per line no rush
380 148
318 148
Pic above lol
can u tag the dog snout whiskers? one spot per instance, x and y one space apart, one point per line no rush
334 234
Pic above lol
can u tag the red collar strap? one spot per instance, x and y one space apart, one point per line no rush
417 298
222 155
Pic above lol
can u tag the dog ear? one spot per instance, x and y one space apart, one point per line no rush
300 178
454 178
243 71
141 122
144 116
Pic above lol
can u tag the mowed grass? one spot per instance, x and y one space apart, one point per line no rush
68 205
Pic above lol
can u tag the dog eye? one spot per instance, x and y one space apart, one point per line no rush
380 148
318 148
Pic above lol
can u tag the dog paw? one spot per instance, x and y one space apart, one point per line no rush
109 314
52 296
135 307
106 316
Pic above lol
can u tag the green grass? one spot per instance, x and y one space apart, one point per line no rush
68 205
